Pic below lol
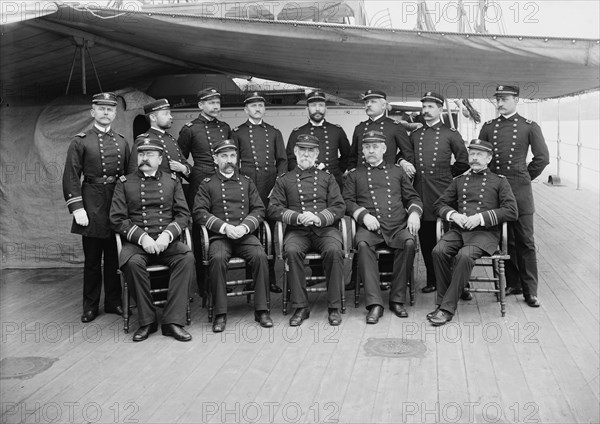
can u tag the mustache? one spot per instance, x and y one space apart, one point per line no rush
144 163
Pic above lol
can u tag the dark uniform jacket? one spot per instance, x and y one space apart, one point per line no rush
332 139
310 190
384 191
431 153
101 158
198 138
396 139
235 201
172 151
148 205
511 139
261 155
485 193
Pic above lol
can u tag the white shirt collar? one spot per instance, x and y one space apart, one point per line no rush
511 115
316 124
254 123
104 130
431 125
160 130
377 117
227 175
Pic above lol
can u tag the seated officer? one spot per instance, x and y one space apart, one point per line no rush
309 201
229 205
149 211
476 204
378 197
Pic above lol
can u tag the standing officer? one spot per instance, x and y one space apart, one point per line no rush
229 205
331 136
377 197
512 136
158 114
396 138
476 204
198 138
309 201
433 146
150 212
101 155
261 154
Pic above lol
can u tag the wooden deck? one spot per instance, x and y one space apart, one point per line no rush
534 365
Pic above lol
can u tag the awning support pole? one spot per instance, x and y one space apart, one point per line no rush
558 138
71 72
579 144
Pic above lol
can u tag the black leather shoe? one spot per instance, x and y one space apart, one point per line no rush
432 313
398 309
219 323
466 295
512 290
374 314
89 316
118 310
275 288
532 301
144 331
334 317
263 318
441 317
429 289
299 316
176 331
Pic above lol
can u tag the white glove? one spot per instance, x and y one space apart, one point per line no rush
81 217
162 242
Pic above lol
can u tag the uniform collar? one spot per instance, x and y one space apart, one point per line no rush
260 124
380 166
311 169
483 171
156 175
436 125
317 124
205 118
377 118
512 115
158 130
234 177
102 130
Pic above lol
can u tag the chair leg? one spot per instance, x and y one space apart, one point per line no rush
209 304
356 280
411 285
284 296
125 301
188 313
502 279
343 298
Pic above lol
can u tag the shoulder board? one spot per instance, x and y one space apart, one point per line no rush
452 129
282 175
489 122
235 129
335 125
352 170
326 171
173 176
81 134
144 135
529 121
501 176
123 178
296 129
247 177
189 124
122 136
207 179
395 122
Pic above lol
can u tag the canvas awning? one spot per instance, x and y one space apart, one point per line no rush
129 47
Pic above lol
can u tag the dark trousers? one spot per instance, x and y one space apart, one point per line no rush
328 243
93 248
251 250
453 263
428 240
368 270
521 270
200 270
181 275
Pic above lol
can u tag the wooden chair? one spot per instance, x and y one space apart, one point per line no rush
236 263
159 282
314 261
385 260
494 262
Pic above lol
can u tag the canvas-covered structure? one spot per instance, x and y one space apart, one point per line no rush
131 48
